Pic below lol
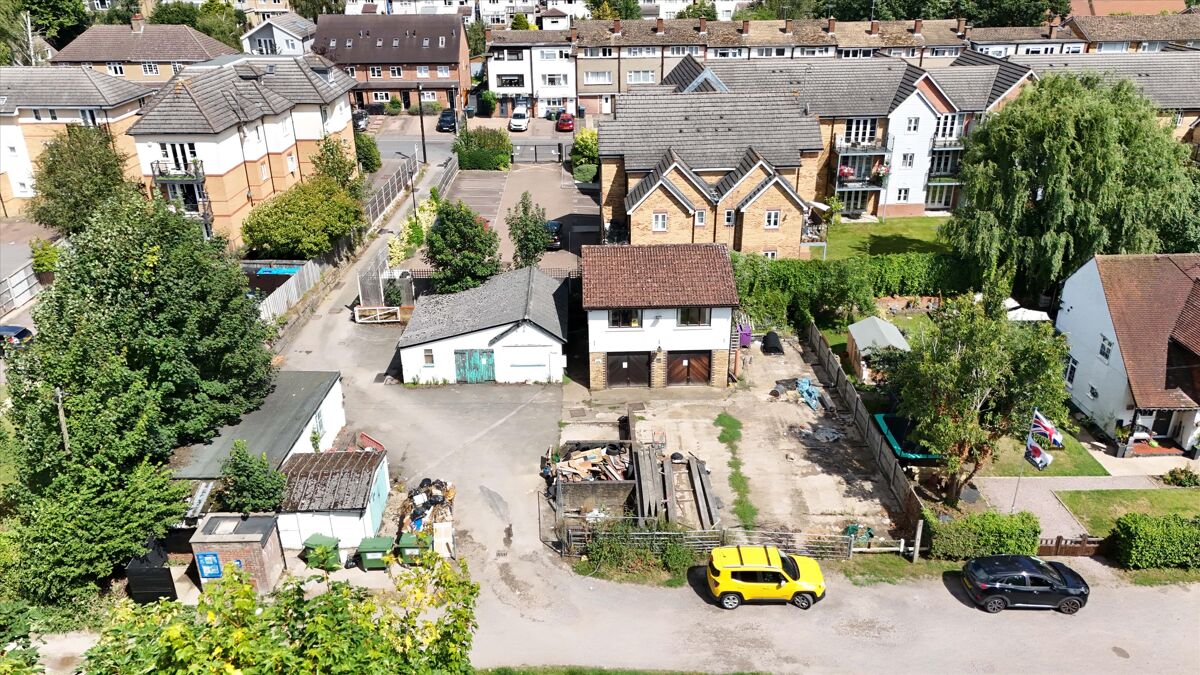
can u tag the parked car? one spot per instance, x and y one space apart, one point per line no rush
738 574
555 229
447 121
519 120
360 120
13 338
996 583
566 122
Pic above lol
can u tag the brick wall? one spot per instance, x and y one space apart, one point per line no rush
658 369
612 190
264 564
597 370
719 375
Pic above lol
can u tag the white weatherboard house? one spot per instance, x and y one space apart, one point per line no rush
337 494
1133 325
658 315
510 329
288 34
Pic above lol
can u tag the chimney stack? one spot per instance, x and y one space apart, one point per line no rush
137 23
487 36
574 33
616 26
703 26
658 25
917 25
787 25
875 27
962 25
831 28
745 28
1054 28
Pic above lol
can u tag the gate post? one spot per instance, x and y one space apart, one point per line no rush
849 546
917 541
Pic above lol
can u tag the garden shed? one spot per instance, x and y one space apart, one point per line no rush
335 494
869 336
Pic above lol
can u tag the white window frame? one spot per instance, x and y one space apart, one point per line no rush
443 71
914 125
907 160
771 254
423 71
380 97
700 219
659 221
375 72
428 96
150 69
291 163
554 79
1069 372
1106 348
771 219
725 53
115 68
597 77
730 218
351 72
902 195
640 77
597 52
427 356
395 71
264 170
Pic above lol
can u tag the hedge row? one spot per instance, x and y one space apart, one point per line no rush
980 534
775 292
1140 540
482 148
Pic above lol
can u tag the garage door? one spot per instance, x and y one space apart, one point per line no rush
688 367
629 369
474 365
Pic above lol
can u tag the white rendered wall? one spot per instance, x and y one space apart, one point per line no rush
659 330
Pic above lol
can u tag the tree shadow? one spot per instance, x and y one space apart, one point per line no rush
878 244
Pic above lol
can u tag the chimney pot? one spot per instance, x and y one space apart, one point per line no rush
658 25
831 27
917 25
1053 31
137 23
616 26
745 28
703 25
787 25
962 25
875 27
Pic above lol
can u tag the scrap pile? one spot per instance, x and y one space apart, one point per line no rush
577 462
429 509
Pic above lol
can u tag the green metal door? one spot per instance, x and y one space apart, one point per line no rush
474 365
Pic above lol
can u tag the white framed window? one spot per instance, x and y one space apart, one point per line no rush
771 220
424 42
597 77
1106 346
264 170
770 52
902 195
53 114
640 77
1069 373
700 219
375 71
350 71
856 53
150 69
428 358
729 217
1072 49
510 81
861 129
396 71
442 41
904 51
770 254
1151 46
332 42
548 54
88 117
443 71
950 126
694 316
914 125
554 79
907 159
597 52
378 42
422 71
658 222
945 51
684 50
1093 393
815 51
624 318
395 42
1113 47
639 51
726 53
380 96
349 43
291 163
116 68
291 44
429 96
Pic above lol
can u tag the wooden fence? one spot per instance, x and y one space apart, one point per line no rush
289 292
1078 546
893 474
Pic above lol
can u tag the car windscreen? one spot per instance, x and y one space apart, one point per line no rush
1047 571
789 567
518 116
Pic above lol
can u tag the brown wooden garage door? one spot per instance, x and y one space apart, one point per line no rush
629 369
688 367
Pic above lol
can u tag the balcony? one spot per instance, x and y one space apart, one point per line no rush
178 172
199 210
855 182
946 143
813 233
869 146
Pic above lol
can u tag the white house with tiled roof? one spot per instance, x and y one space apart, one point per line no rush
1133 325
287 34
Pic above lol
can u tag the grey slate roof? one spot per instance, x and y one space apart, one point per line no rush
330 481
873 333
64 87
968 88
684 73
1137 28
710 130
366 30
530 38
272 429
657 176
774 179
1008 74
522 295
1171 80
294 24
159 43
749 161
213 96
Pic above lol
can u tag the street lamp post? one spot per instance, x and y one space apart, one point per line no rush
421 113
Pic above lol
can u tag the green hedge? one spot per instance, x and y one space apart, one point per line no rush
1140 540
482 148
431 108
778 292
585 173
979 534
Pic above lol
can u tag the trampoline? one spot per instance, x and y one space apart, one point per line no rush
896 429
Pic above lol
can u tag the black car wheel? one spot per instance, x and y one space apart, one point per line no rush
1070 606
730 600
802 600
995 605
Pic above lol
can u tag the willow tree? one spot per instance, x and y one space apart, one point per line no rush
1073 167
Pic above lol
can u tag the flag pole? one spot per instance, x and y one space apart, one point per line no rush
1028 438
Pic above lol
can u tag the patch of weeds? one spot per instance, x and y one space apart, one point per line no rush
614 554
640 418
567 379
868 569
562 424
731 432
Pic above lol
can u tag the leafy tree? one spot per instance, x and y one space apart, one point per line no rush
1071 168
527 229
520 22
979 12
311 9
336 160
781 9
304 222
184 13
251 485
617 9
426 626
58 21
585 148
603 11
119 12
483 148
1014 12
367 152
487 100
974 378
700 9
461 248
79 169
477 38
218 19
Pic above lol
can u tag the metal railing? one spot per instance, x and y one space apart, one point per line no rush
867 146
861 182
828 546
946 143
177 171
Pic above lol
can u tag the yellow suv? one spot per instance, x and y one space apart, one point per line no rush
738 574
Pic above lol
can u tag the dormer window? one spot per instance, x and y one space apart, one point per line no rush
378 42
333 42
395 42
442 41
424 42
349 43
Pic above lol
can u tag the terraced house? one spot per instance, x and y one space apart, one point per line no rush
1122 34
140 52
703 168
37 104
225 135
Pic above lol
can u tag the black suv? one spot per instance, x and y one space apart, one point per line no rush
998 582
447 121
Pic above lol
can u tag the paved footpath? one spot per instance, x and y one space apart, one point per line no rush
1036 494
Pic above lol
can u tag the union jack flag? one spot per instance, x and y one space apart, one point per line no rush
1045 428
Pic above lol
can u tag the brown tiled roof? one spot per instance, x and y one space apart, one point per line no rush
658 275
329 481
155 42
597 33
1137 28
1107 7
989 35
1146 296
1187 328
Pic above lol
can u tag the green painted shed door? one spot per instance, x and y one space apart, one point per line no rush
474 365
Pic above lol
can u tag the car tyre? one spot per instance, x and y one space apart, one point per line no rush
1070 606
995 605
802 600
730 600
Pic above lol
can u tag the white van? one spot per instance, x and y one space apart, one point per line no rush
520 119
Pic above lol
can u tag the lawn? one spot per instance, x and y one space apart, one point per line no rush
916 234
1070 460
1161 576
1098 510
866 569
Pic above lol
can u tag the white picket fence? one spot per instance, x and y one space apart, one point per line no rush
18 288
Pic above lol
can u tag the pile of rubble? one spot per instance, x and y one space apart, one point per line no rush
429 509
577 463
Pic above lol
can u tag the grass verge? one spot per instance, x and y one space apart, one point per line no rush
1098 510
731 433
868 569
916 234
1161 576
1070 460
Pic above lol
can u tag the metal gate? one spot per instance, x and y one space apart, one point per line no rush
629 369
473 366
540 152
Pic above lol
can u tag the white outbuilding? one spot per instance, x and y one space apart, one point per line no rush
510 329
335 494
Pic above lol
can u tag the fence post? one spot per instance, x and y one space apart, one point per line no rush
917 542
849 546
1057 545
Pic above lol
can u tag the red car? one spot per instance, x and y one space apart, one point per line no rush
566 122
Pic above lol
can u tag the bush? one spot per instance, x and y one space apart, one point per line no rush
366 151
394 107
585 148
487 149
304 222
585 173
324 558
431 108
487 103
1140 540
45 255
979 534
1180 476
